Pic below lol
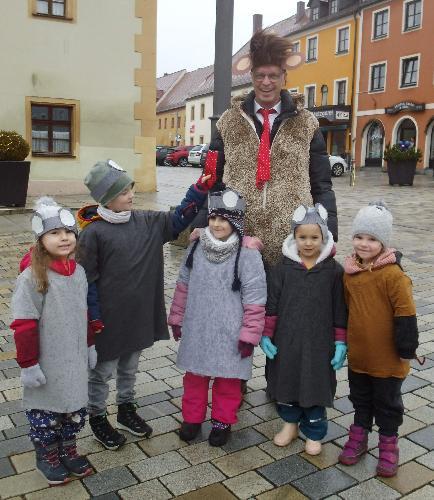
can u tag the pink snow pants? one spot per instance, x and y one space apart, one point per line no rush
226 399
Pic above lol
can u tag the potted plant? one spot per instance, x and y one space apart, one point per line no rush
401 160
14 171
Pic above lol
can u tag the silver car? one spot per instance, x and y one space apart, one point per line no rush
194 155
338 165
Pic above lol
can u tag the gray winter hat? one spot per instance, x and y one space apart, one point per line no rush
48 215
106 180
311 215
375 220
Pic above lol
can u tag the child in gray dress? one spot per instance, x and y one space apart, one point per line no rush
218 312
50 331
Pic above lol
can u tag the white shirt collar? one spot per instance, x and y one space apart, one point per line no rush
276 107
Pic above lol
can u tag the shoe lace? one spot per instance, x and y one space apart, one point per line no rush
52 457
71 451
105 428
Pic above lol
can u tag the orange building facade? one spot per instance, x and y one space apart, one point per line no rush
395 80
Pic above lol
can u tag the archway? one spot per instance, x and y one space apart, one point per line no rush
405 130
374 144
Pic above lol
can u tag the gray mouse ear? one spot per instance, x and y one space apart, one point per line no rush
299 214
321 211
66 218
37 224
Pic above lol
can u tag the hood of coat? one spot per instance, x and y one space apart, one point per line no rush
291 102
289 249
389 256
86 215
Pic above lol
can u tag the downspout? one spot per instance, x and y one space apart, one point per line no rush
353 86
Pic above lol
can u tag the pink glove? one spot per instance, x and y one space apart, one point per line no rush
253 242
245 349
176 332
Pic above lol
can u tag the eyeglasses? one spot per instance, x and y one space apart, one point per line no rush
273 77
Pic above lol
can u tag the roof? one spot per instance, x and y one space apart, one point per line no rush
166 82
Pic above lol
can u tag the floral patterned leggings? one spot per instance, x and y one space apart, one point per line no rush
47 427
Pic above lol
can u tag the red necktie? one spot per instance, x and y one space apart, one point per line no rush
263 169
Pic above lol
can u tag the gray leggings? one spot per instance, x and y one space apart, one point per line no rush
125 368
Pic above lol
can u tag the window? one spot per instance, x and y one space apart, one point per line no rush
413 15
51 129
381 24
409 71
310 96
201 139
192 113
202 111
378 77
315 13
343 40
53 8
333 6
341 91
178 122
312 49
296 47
172 122
159 123
324 95
165 123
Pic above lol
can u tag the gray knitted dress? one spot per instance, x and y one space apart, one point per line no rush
62 321
214 313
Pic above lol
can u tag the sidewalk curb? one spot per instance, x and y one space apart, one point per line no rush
14 210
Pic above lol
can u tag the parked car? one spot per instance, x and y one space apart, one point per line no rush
161 153
179 156
203 154
338 165
195 154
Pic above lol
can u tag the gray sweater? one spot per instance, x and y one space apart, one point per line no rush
62 319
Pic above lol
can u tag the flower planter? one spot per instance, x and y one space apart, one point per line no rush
401 172
14 177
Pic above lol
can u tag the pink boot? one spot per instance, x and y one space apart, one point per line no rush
388 457
355 447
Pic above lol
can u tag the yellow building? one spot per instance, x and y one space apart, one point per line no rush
327 40
171 127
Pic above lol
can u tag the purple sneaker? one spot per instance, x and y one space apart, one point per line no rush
355 447
388 457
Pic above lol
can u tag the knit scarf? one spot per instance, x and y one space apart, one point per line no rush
113 217
217 250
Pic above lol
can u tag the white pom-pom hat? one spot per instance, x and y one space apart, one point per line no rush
48 215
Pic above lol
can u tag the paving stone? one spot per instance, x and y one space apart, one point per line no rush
270 428
370 489
410 476
412 383
15 446
161 444
365 469
256 398
279 452
345 420
243 439
286 492
427 460
5 423
242 461
246 419
10 407
344 405
425 493
150 490
108 496
109 480
193 478
14 432
6 468
214 492
426 392
148 389
157 410
19 418
409 425
248 485
151 364
423 437
152 398
20 484
287 470
257 383
334 431
201 452
174 393
266 412
15 372
108 460
324 483
163 424
159 465
429 363
424 414
24 462
328 456
72 491
411 401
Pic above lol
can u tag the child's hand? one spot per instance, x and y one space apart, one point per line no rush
204 183
340 354
270 350
195 234
92 357
32 376
245 349
176 332
96 325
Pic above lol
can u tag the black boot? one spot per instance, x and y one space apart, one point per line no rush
49 465
131 422
104 433
219 434
73 462
188 432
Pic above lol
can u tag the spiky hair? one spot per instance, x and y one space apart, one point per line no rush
268 48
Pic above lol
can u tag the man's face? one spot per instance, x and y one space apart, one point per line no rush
268 81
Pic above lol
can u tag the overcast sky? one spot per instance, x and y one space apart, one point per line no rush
185 36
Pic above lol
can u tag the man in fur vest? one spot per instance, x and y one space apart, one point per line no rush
270 149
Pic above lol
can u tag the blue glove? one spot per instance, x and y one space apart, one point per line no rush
270 350
340 353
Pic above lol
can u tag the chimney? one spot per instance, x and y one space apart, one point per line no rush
257 22
300 11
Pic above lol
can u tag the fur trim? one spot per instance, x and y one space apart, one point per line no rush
289 249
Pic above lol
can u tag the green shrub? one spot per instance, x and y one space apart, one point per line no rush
398 152
13 147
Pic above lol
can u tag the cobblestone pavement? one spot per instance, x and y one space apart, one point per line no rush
249 466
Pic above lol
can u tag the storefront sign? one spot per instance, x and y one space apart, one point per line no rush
342 115
404 106
326 114
332 113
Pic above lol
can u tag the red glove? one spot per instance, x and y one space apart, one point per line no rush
94 327
245 349
176 332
